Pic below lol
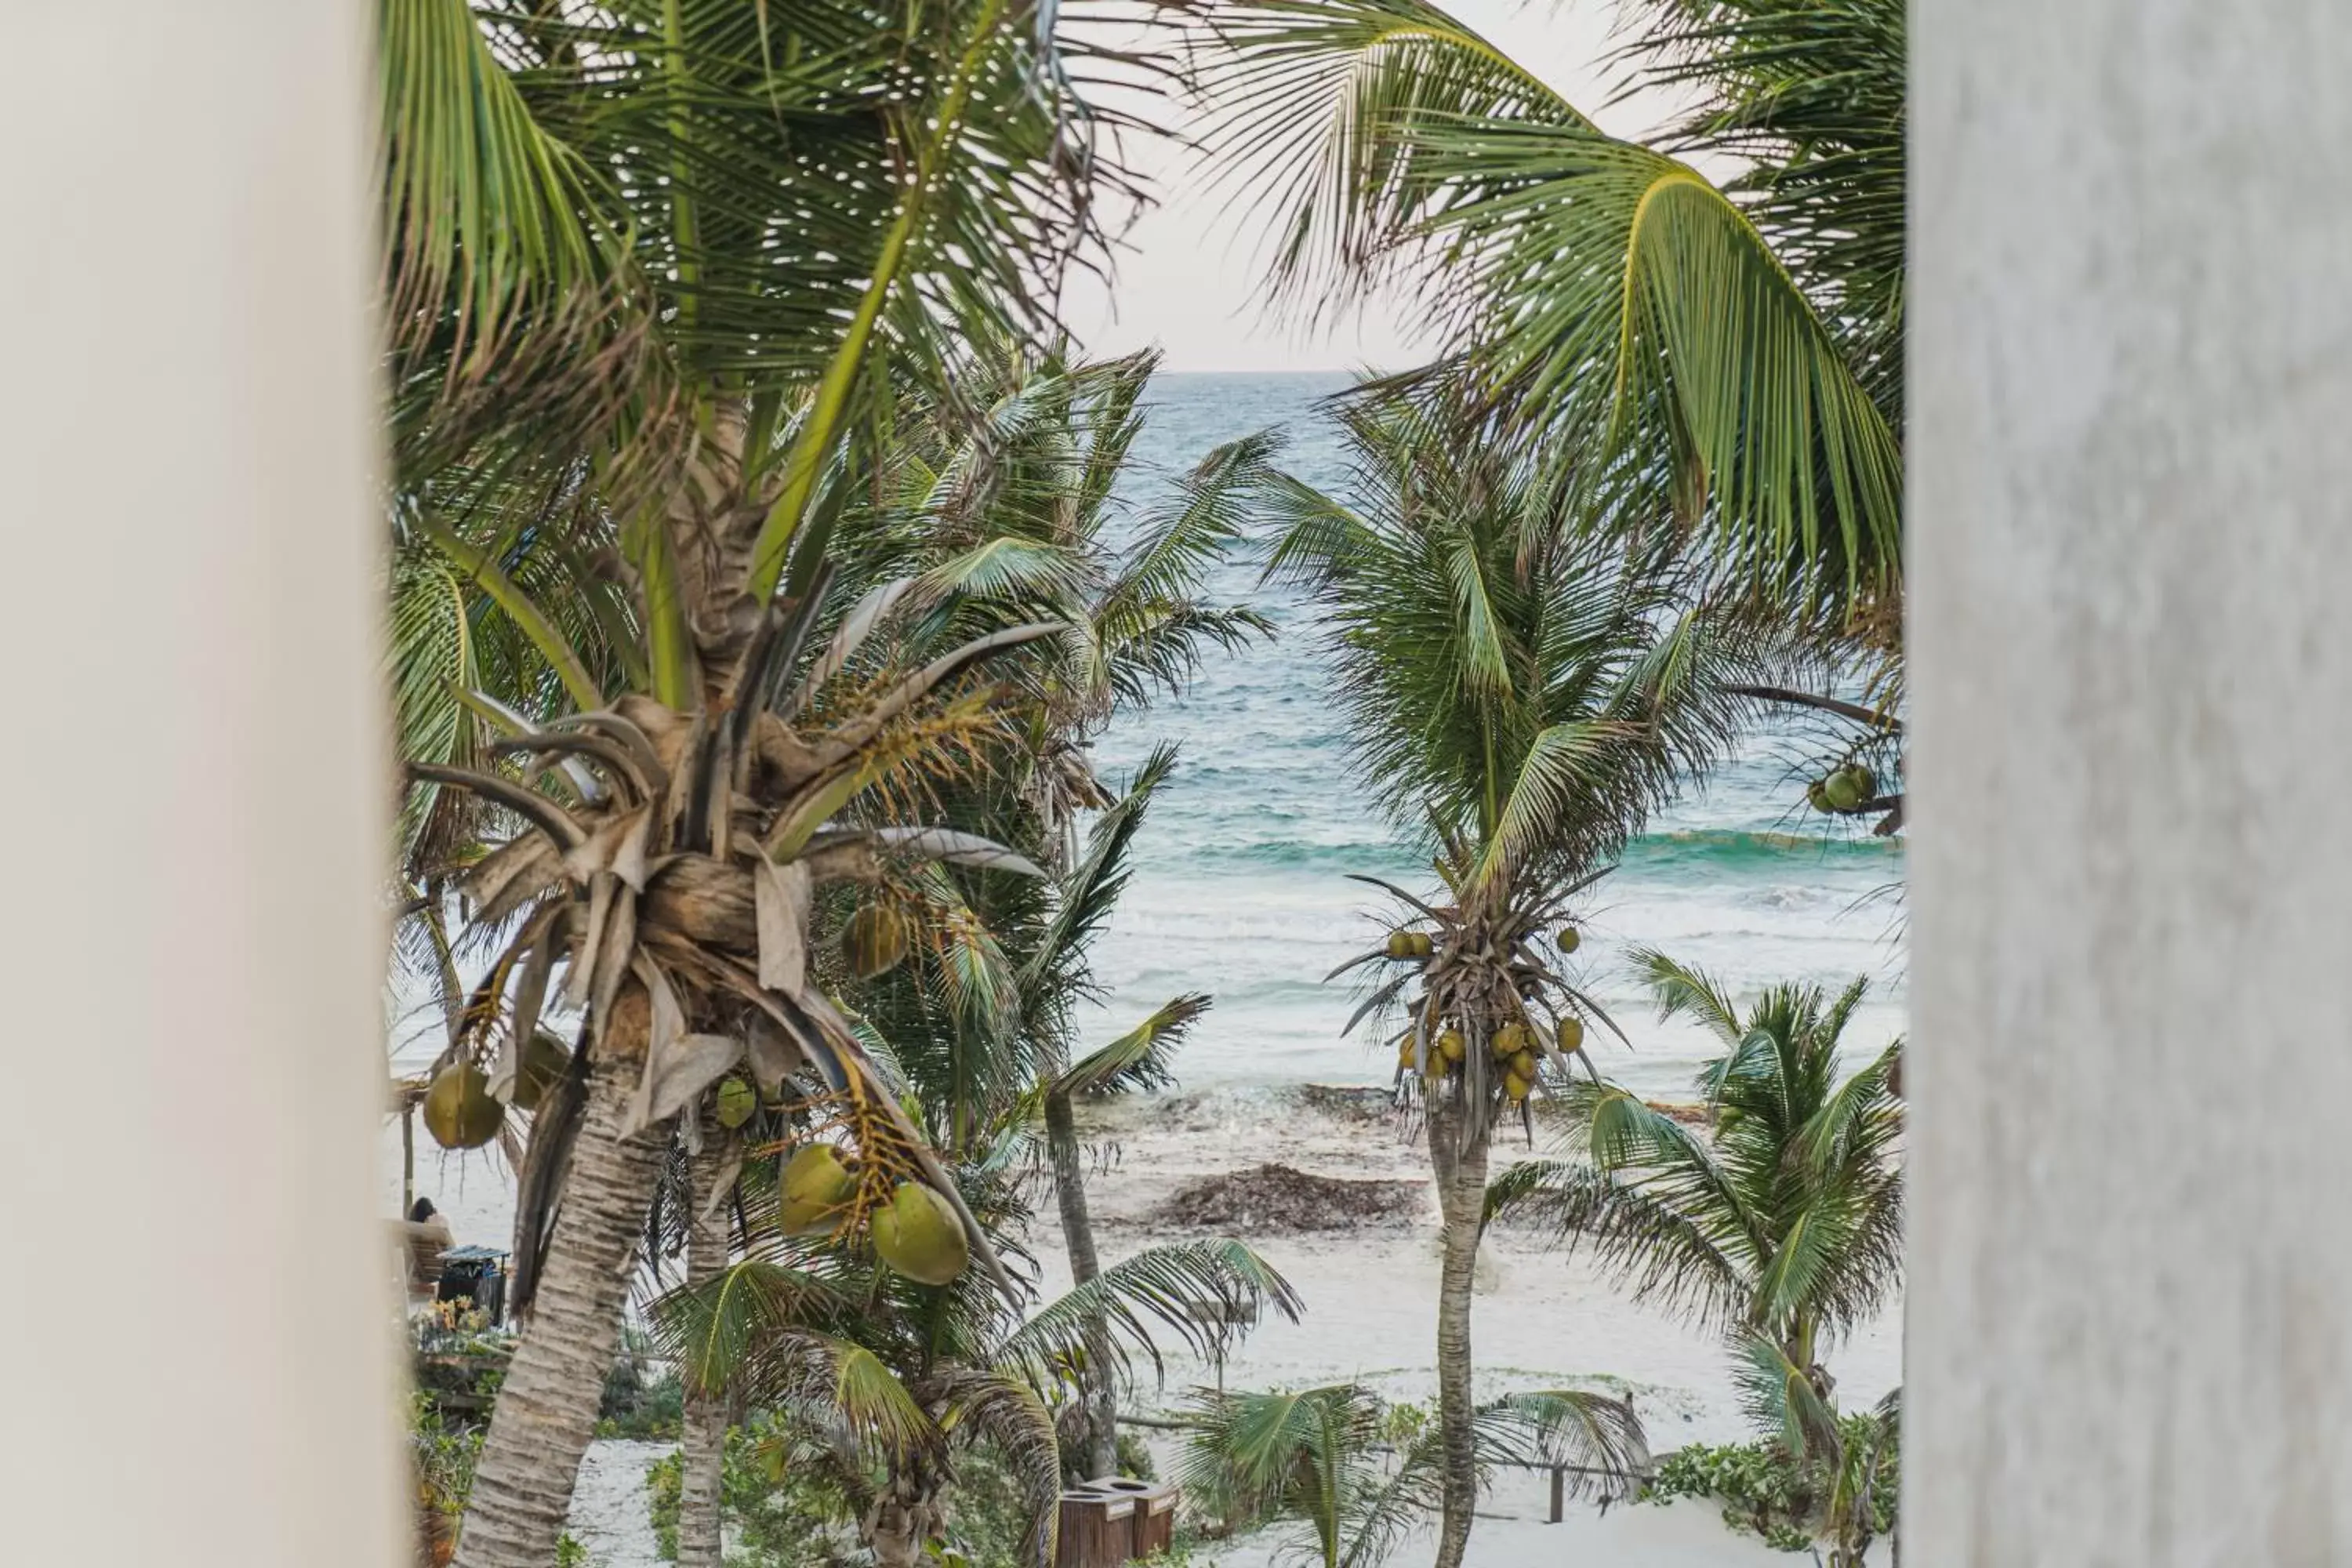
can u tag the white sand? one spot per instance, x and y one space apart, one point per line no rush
1512 1533
610 1515
1541 1319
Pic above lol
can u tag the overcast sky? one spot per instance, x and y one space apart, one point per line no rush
1189 278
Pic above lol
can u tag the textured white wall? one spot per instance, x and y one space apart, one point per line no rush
198 1352
2130 1328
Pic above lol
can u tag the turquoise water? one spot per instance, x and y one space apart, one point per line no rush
1241 885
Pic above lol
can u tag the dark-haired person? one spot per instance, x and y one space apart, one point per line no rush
428 1237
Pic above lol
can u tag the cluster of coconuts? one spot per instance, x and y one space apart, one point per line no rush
1518 1049
1848 787
874 941
460 1111
916 1233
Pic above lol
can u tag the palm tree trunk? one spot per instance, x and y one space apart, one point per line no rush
902 1520
546 1410
703 1437
1078 1234
1459 1157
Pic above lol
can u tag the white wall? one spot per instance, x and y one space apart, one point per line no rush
2130 1314
198 1365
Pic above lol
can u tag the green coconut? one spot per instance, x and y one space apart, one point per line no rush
1400 945
1523 1066
1451 1045
816 1190
1570 938
1843 790
737 1101
1515 1087
544 1062
1570 1033
459 1110
918 1235
1864 783
1817 795
1510 1040
1423 943
874 941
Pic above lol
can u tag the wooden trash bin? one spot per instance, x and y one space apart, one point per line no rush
1098 1528
1155 1510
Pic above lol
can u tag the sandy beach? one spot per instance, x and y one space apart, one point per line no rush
1368 1272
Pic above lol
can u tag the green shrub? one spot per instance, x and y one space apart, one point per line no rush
776 1517
664 1478
780 1515
443 1457
639 1400
1135 1458
1768 1492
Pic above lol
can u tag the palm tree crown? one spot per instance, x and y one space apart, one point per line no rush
1784 1226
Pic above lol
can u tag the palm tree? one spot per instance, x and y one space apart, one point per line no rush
997 512
1054 980
1723 357
651 271
1006 503
890 1378
1783 1228
1518 696
1330 1457
1716 361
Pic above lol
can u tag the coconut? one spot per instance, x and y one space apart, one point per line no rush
1842 790
1864 783
1817 795
1451 1046
1404 1052
1423 943
1510 1039
816 1190
1515 1087
544 1062
874 941
1400 945
459 1110
1523 1066
737 1101
1570 938
918 1235
1570 1033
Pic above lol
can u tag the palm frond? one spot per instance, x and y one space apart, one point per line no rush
1008 1413
1597 1437
1777 1395
1197 1292
1136 1062
1721 362
1672 1238
1316 102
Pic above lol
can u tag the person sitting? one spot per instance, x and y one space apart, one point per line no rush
427 1234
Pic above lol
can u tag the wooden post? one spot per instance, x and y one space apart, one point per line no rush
407 1157
1559 1493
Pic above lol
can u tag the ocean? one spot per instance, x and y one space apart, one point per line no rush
1241 885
